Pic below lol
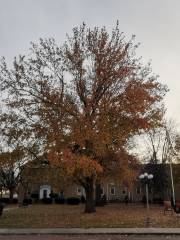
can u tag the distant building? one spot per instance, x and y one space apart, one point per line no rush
41 179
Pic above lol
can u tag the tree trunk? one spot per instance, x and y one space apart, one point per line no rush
11 193
21 193
90 196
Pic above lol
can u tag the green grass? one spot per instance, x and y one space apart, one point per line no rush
112 215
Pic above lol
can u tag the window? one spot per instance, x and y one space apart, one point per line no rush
124 191
112 190
79 192
138 190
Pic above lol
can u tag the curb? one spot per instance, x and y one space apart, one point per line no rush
91 231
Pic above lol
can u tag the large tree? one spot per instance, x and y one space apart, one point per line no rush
84 100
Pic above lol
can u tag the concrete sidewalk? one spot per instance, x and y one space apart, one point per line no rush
92 231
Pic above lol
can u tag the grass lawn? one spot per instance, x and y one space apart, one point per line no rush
111 215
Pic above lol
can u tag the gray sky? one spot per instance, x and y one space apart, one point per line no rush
156 24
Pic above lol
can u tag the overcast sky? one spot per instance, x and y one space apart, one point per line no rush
156 24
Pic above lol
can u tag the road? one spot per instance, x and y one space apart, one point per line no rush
88 237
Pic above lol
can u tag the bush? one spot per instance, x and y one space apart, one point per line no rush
4 200
7 200
47 200
73 200
35 195
53 195
25 202
83 200
15 200
60 200
1 208
158 201
102 201
115 200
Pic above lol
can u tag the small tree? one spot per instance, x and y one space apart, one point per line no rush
160 151
10 163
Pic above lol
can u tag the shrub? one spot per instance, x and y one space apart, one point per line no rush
53 195
1 208
158 200
4 200
35 195
7 201
25 202
83 200
47 200
60 200
15 200
104 199
73 200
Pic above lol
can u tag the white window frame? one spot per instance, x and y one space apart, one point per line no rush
42 188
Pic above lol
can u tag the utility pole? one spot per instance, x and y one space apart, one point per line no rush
170 166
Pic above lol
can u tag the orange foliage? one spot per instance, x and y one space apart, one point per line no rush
92 92
76 165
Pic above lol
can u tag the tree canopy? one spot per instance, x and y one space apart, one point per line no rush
82 100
